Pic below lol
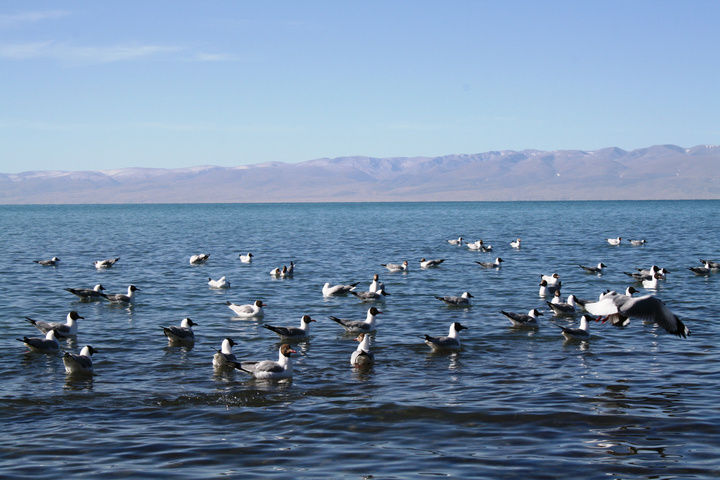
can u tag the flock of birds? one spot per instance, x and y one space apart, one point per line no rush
617 308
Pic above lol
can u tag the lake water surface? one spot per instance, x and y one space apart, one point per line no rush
630 403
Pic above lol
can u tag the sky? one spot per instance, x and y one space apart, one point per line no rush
87 85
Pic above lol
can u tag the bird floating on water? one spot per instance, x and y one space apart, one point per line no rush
293 333
181 334
219 283
359 326
100 264
199 259
451 343
48 263
79 364
88 294
462 301
253 310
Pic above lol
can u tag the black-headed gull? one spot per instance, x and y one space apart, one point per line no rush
647 307
515 244
270 370
49 344
48 263
451 343
580 333
181 334
563 308
121 297
614 241
224 358
246 258
617 321
430 263
713 265
376 284
462 301
520 320
702 271
88 293
253 310
545 288
219 283
597 269
378 295
359 326
294 333
456 241
79 364
62 330
495 264
652 282
330 290
551 280
637 243
649 272
396 267
99 264
476 245
199 259
362 357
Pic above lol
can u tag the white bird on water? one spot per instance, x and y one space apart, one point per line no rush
270 370
199 259
580 333
359 326
49 344
515 244
121 297
456 241
597 269
100 264
48 263
462 301
294 333
614 241
253 310
563 308
181 334
331 290
362 357
495 264
88 294
520 320
224 358
451 343
79 364
378 295
430 263
219 283
67 329
246 258
396 267
376 284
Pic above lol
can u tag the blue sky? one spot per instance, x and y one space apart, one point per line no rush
100 85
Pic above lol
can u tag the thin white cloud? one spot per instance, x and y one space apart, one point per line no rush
82 54
13 19
213 57
86 54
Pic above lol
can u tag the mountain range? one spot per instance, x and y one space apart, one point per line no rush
657 172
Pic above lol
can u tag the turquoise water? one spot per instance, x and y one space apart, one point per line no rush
630 403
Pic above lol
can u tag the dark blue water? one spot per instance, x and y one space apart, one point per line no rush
630 403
